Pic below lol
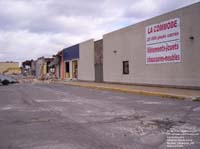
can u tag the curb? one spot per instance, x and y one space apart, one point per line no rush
139 92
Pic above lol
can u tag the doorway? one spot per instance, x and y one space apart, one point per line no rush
67 72
74 69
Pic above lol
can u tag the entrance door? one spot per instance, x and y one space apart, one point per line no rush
74 69
67 72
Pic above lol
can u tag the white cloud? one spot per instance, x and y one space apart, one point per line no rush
33 28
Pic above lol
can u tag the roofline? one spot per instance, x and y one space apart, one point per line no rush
178 9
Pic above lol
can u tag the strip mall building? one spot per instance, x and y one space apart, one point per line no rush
83 61
164 50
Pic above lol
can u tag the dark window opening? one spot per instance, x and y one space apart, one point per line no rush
67 67
125 67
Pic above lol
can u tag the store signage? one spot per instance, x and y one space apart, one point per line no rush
163 42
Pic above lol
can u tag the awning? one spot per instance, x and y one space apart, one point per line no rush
56 61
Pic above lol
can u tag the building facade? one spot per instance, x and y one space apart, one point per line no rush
78 62
70 62
164 50
86 67
42 69
56 64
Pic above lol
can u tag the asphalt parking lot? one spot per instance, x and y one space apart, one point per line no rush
55 116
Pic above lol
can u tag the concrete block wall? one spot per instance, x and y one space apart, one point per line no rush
86 61
130 44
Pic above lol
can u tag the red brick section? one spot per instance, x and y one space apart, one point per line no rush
63 67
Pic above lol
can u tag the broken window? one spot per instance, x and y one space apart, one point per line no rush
125 67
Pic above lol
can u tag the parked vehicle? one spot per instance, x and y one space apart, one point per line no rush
5 80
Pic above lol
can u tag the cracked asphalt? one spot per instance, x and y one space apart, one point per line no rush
55 116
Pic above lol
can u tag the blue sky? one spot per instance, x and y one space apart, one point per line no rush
33 28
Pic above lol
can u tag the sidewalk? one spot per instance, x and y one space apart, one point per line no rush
135 89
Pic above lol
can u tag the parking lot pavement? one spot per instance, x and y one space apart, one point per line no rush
55 116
